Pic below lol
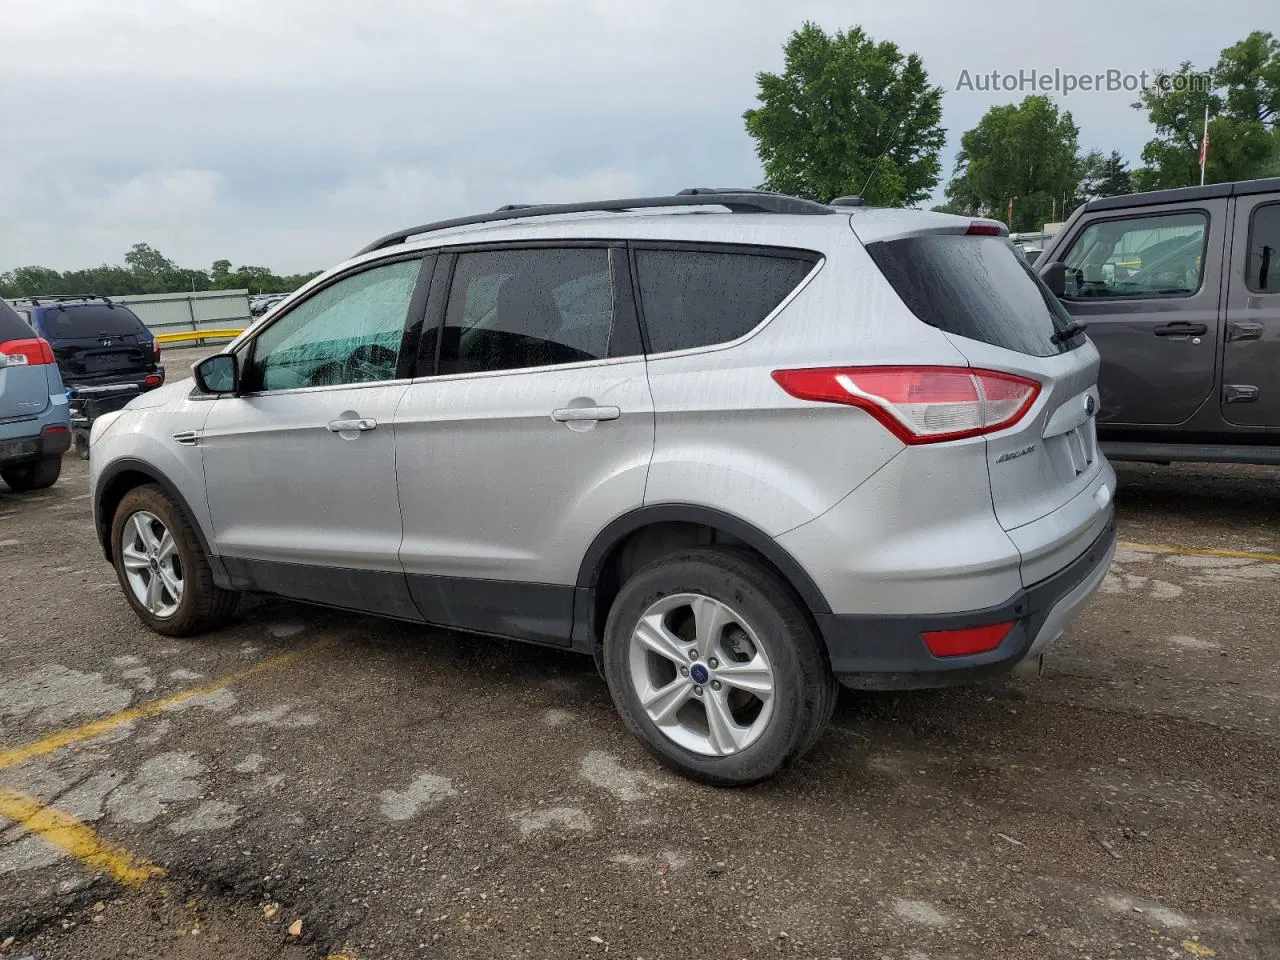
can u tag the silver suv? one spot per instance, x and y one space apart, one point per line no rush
736 446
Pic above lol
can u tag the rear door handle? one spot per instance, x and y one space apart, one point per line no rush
571 414
1181 328
347 426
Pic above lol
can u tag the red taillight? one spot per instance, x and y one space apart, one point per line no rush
981 228
34 351
967 641
920 404
157 350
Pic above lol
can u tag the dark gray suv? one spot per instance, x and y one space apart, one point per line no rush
1180 291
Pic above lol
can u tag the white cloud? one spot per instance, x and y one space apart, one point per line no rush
158 197
289 132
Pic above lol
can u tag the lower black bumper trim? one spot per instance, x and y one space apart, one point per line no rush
887 652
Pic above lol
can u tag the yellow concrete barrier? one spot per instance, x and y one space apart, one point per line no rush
183 336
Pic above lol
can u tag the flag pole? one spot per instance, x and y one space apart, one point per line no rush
1204 145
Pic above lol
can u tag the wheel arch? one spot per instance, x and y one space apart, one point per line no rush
661 528
129 474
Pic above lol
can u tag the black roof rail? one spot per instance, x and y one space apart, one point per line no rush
38 300
736 200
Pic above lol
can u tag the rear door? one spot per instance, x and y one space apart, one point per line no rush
1147 285
534 433
24 386
1251 365
1001 317
96 340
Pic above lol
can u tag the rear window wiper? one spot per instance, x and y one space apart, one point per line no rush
1068 333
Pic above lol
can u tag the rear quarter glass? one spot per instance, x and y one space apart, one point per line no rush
975 287
12 326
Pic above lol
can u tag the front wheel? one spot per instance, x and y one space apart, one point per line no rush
715 667
32 476
162 567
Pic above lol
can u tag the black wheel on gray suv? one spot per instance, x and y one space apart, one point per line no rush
162 567
714 665
36 475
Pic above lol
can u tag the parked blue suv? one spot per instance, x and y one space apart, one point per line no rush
96 342
34 427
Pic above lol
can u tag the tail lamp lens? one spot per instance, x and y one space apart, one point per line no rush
920 404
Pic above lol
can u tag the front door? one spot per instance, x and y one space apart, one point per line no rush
533 436
1251 368
1147 287
301 468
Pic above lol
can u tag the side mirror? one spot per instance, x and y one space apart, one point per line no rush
1055 277
219 373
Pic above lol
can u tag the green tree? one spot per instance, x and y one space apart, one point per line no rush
1104 176
1242 93
843 107
1024 153
146 270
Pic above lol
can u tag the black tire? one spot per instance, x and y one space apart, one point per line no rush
204 605
803 688
36 475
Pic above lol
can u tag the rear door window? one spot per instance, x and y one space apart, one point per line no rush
976 287
1262 269
696 298
1139 257
513 309
90 321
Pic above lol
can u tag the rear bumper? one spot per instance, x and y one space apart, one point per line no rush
136 377
40 446
887 652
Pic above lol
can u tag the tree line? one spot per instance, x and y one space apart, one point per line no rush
145 270
850 115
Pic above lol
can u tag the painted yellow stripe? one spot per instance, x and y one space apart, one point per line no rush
96 728
1200 552
72 837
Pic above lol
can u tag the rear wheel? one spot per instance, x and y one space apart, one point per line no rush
714 666
32 476
162 567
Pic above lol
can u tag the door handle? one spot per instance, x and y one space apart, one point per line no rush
1181 328
348 426
572 414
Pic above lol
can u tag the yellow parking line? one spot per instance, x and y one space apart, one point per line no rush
96 728
69 835
1200 552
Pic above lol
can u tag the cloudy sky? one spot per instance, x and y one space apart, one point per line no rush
289 132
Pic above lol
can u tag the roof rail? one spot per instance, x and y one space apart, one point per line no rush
737 200
37 301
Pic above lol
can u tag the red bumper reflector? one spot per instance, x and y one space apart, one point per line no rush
55 428
969 640
152 381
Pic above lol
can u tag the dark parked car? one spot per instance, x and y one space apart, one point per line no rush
1180 291
95 341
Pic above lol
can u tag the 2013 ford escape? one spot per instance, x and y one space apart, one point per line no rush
735 445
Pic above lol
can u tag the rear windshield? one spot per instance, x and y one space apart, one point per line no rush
12 326
90 320
975 287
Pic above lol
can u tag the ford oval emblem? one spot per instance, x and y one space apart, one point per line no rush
1090 405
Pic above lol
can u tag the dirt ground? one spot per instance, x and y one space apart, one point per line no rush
306 784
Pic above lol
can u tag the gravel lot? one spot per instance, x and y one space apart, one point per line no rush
315 784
